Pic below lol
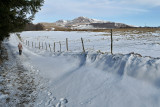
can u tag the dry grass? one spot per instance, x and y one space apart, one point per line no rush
18 35
48 25
138 30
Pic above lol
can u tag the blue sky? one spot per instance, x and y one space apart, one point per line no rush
132 12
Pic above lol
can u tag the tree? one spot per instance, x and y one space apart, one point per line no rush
33 27
15 14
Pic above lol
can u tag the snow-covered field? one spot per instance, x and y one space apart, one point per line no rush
93 79
146 44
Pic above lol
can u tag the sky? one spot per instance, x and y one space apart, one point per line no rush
132 12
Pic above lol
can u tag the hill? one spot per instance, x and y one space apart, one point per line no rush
84 23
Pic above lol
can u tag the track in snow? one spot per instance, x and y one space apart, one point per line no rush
18 86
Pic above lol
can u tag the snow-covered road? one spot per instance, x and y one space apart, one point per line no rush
91 79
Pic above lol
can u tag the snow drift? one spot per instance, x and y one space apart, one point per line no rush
95 79
132 64
92 79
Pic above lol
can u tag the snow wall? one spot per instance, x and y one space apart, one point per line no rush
132 64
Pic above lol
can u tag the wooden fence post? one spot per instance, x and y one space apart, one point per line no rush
82 45
35 44
50 47
28 43
111 43
54 47
67 43
46 45
42 45
39 45
32 44
60 46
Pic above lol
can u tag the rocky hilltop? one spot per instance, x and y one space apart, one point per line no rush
84 23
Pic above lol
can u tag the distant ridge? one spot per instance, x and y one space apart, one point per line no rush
84 23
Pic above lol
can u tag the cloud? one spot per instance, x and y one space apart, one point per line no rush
149 3
91 7
95 8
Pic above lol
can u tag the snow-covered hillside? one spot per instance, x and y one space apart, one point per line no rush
87 23
78 21
91 79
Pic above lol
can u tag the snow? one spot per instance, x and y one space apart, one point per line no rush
93 79
80 23
83 27
146 44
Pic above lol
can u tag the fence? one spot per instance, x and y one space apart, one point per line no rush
142 41
57 46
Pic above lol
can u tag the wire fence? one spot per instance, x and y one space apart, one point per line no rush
119 43
60 46
81 44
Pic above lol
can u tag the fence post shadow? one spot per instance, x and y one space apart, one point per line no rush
83 45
